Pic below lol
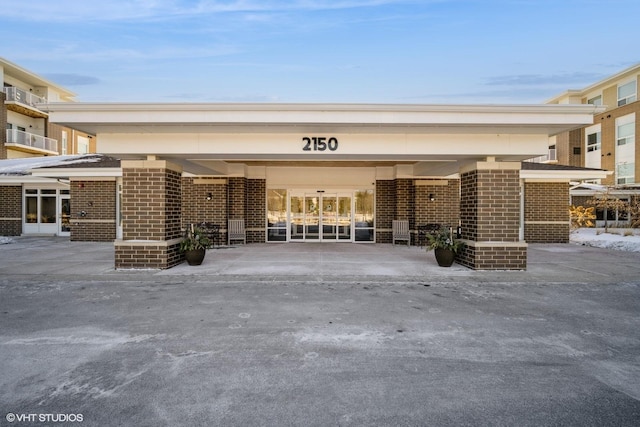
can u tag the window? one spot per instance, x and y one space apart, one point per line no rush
626 93
276 215
593 142
576 151
364 218
626 134
625 173
64 142
83 145
596 100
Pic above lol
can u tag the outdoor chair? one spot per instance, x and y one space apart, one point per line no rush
401 231
236 231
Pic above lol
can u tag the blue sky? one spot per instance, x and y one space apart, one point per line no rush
372 51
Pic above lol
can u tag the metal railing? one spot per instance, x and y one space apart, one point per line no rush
23 97
15 136
550 157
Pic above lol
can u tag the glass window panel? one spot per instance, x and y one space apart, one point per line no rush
297 218
66 215
364 216
32 209
626 130
596 100
277 208
47 191
48 210
277 215
627 90
30 191
344 218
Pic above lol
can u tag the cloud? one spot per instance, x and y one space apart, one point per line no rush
135 10
566 79
68 79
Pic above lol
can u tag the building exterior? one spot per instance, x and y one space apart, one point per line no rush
293 173
609 142
29 205
330 173
26 128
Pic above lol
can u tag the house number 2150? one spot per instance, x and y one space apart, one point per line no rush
319 144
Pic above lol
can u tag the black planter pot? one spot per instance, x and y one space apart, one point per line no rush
194 257
445 257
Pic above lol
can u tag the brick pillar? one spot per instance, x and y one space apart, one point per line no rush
490 217
385 209
256 207
11 210
151 204
546 212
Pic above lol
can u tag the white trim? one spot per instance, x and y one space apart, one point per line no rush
493 244
159 243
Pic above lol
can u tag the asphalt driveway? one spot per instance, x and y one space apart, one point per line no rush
453 347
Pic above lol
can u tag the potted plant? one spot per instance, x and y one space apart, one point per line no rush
444 246
194 245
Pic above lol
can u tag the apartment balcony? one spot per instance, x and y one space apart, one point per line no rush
24 102
550 157
30 143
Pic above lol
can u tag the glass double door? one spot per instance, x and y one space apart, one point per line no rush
321 217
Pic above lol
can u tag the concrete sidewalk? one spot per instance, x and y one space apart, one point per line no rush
319 335
317 262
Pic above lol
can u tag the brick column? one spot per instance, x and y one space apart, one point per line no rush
151 204
11 210
385 210
490 217
546 212
256 207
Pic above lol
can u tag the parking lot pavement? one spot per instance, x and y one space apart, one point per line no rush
455 347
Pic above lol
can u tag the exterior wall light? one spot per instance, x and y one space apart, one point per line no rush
431 197
209 196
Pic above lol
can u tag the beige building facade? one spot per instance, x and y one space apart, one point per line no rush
329 173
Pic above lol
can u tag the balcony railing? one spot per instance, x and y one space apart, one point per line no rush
31 141
23 97
549 158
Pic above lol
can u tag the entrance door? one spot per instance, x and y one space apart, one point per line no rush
319 217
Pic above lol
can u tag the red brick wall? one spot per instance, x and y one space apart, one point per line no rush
385 209
255 215
546 212
493 258
195 206
490 215
231 198
11 210
151 209
490 205
444 209
151 204
98 200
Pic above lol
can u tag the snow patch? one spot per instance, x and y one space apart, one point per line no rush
5 240
614 239
23 166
